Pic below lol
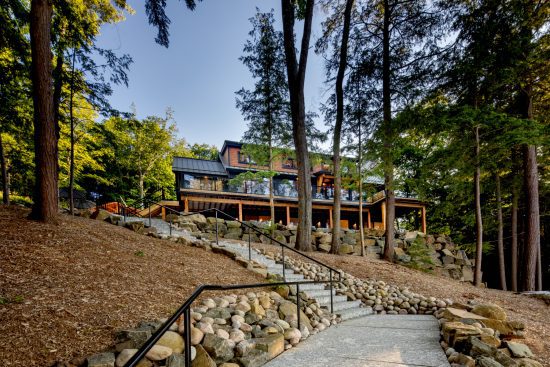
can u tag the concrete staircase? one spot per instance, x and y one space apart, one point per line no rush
341 306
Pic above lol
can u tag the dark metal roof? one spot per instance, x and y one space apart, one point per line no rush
199 166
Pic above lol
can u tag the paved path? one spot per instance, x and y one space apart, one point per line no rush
372 341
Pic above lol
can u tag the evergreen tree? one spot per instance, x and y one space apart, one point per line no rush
266 108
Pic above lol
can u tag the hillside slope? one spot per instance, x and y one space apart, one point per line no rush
65 289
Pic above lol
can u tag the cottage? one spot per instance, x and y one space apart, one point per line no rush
203 184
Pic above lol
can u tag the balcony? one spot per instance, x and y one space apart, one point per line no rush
281 188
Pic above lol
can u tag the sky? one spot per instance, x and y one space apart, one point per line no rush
197 76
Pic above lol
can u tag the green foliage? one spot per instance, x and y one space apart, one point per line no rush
139 253
16 299
420 254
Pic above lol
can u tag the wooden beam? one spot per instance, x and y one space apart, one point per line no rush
330 217
287 215
408 205
383 207
424 219
186 205
241 212
369 223
163 210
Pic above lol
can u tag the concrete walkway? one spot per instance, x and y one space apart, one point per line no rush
372 341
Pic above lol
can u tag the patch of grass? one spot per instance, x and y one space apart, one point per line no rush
19 200
16 299
139 253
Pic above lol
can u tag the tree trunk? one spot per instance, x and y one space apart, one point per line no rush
71 163
500 238
57 90
532 219
479 221
45 206
336 226
532 227
514 242
360 188
141 188
5 177
271 200
296 76
387 136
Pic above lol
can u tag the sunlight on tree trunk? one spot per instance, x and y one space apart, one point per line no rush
45 194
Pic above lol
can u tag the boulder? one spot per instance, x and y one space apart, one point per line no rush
255 358
505 328
519 350
232 224
345 249
289 309
102 360
100 214
212 220
454 332
490 311
273 345
188 226
125 356
172 340
158 353
324 247
487 362
202 359
455 314
221 350
136 226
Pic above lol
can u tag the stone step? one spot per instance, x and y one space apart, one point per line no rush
325 300
293 277
352 313
278 269
339 306
318 292
306 287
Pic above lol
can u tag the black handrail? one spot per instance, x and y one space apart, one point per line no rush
283 245
185 311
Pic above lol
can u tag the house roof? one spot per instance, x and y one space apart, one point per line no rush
198 166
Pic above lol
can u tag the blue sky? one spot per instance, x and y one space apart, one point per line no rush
197 76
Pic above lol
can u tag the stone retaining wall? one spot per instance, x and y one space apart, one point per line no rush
435 253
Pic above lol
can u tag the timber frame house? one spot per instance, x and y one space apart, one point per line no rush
203 184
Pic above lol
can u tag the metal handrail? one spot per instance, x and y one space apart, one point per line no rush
184 310
283 245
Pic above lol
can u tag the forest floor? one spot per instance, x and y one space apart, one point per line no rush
535 313
65 289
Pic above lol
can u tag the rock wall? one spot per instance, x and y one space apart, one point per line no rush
433 253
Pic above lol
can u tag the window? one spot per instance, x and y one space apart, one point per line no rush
245 159
289 163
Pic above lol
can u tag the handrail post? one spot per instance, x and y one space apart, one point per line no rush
249 246
298 304
149 215
283 253
330 287
170 226
217 240
187 326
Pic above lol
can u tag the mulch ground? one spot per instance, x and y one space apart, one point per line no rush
65 289
535 313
